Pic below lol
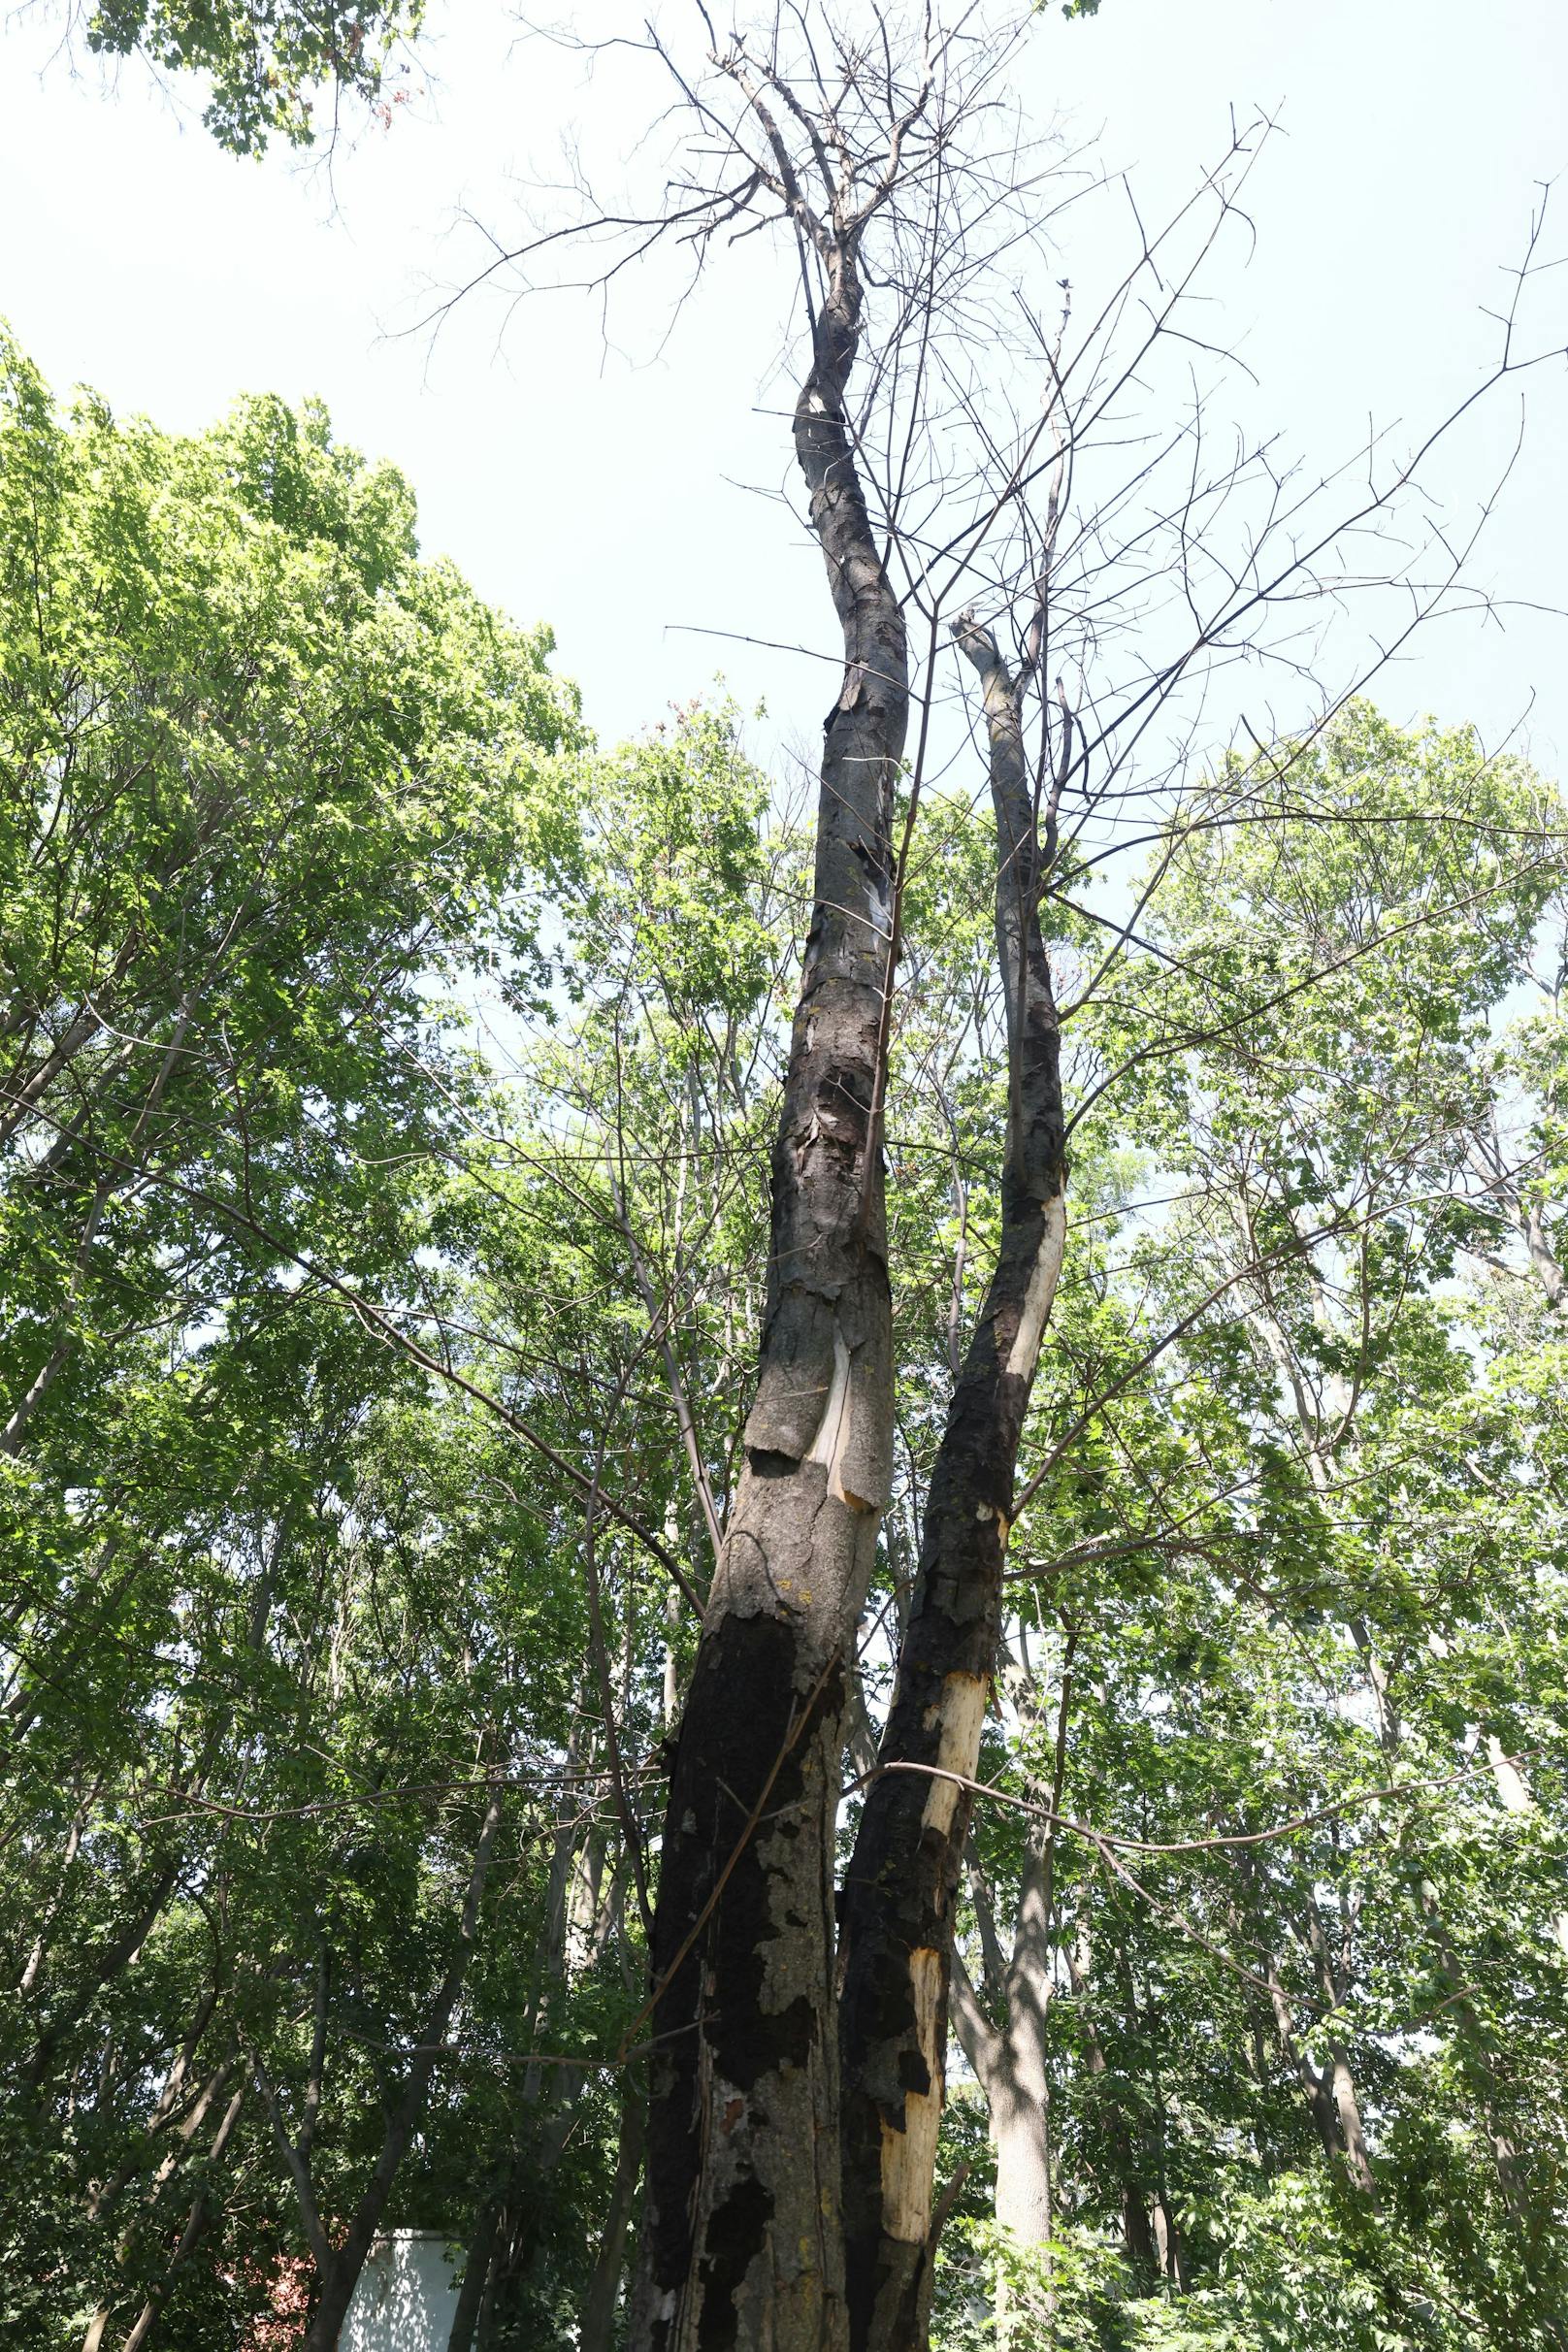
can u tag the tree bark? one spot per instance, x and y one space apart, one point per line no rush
1018 2097
1543 1257
1009 2065
476 2273
1348 2106
740 2241
105 1962
900 1890
598 2331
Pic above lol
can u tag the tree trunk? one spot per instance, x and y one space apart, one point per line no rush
196 2221
1315 2086
1009 2066
105 1963
740 2241
1019 2099
1020 2126
341 2272
901 1889
475 2275
1543 1257
598 2331
1357 2162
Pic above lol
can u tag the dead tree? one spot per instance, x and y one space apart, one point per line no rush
889 154
742 2230
900 1892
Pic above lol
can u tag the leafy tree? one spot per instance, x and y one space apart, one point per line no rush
1278 1566
267 63
266 774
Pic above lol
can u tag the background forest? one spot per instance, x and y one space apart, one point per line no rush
389 1073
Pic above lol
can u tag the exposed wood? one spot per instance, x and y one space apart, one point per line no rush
740 2240
901 1886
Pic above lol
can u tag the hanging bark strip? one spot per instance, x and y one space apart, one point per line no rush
740 2243
899 1896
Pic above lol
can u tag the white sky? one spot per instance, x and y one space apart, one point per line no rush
602 495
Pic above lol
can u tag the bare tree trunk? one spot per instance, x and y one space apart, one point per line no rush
1020 2126
1020 2107
1476 2050
901 1889
105 1963
1527 1214
1011 2069
1543 1257
740 2238
1314 2086
1357 2162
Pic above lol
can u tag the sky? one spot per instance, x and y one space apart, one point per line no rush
614 491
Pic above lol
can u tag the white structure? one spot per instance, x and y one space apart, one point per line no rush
406 2297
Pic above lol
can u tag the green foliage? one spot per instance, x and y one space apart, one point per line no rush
388 1094
266 63
1290 2280
273 1607
1314 1545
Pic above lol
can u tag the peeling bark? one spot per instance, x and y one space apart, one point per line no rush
740 2241
900 1894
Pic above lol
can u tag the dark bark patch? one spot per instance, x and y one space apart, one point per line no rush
738 2235
767 1461
914 2077
740 1719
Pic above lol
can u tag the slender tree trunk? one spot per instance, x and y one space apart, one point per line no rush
475 2273
1527 1214
1543 1257
900 1890
740 2241
1477 2054
1137 2234
1020 2126
1314 2086
598 2331
1010 2067
1348 2106
342 2269
56 1903
105 1963
196 2221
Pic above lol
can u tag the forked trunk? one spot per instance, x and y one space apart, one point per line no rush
741 2244
899 1893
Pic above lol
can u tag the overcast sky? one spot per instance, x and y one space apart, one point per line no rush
608 493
